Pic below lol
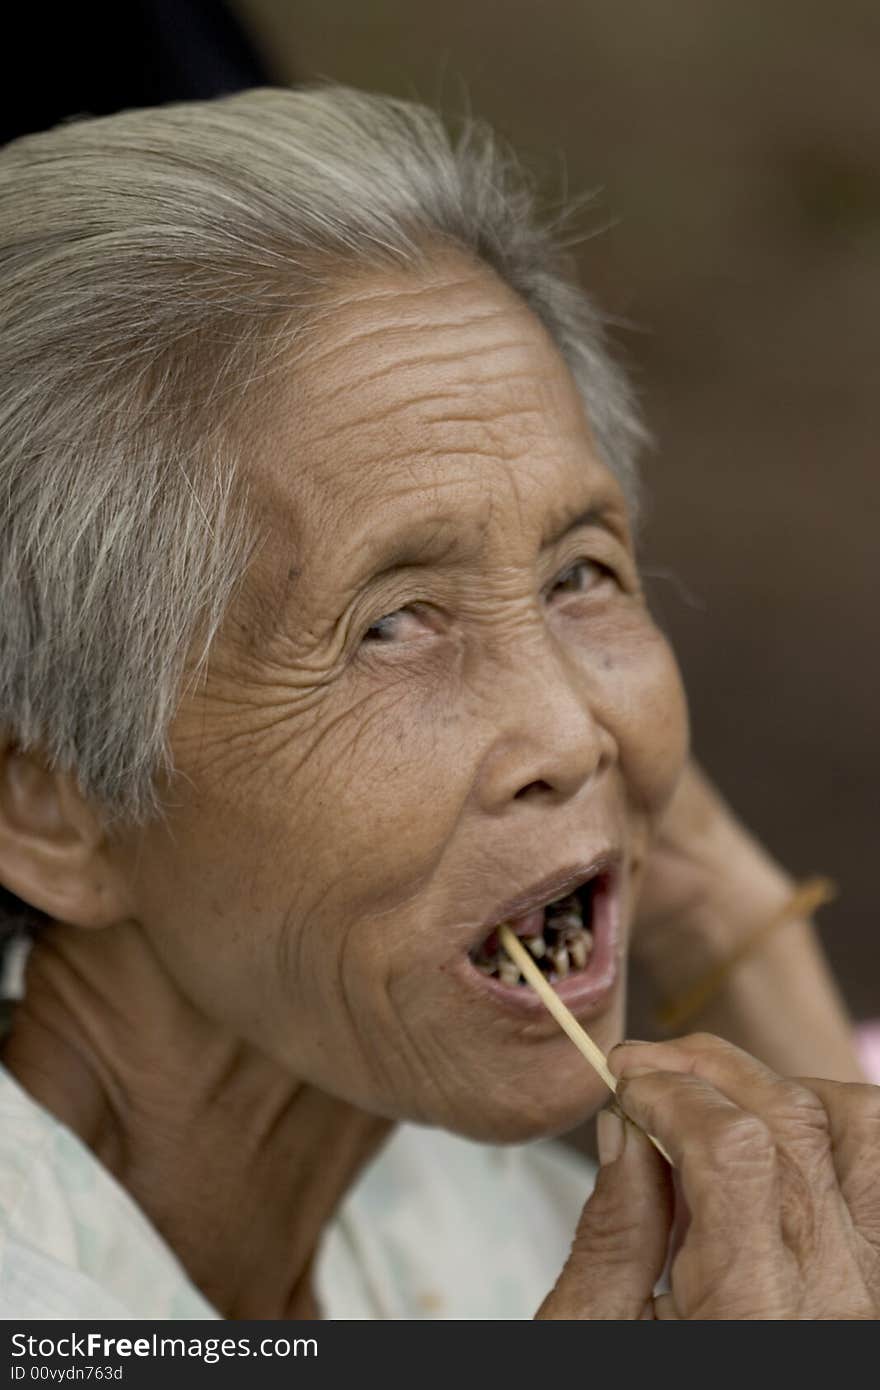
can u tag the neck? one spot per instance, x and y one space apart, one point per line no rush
236 1163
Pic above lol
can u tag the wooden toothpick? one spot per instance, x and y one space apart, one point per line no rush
564 1017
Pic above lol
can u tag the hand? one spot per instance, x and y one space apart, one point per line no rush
780 1180
706 883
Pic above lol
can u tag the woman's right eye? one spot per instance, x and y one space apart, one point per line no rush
393 627
381 630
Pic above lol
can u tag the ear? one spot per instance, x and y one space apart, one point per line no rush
54 853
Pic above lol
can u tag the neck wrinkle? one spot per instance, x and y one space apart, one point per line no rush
238 1164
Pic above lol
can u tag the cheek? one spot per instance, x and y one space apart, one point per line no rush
647 712
398 810
356 803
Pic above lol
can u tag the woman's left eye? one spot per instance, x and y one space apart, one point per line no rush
580 577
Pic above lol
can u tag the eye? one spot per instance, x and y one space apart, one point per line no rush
580 578
398 626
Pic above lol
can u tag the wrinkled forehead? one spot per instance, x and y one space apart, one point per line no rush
420 394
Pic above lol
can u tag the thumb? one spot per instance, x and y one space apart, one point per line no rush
621 1242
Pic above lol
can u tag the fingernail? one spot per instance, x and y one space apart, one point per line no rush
610 1135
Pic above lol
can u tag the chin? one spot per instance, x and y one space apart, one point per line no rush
525 1114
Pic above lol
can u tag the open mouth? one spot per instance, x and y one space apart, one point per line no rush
560 936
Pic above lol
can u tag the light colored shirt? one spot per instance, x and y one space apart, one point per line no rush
436 1227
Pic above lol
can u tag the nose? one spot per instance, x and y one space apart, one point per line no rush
550 734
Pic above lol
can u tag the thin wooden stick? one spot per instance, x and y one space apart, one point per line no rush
564 1017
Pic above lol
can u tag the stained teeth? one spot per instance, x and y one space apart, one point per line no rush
567 921
567 946
577 950
508 973
572 931
559 958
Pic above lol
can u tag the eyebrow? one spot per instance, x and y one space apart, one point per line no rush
428 542
595 515
424 543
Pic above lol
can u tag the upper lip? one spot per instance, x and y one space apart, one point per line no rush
547 890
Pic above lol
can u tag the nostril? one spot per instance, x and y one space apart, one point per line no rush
531 788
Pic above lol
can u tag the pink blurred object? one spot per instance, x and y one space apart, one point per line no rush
868 1048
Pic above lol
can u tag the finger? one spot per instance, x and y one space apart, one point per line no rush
795 1114
764 1241
705 1133
619 1249
853 1112
726 1163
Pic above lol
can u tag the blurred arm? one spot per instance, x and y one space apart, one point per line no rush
709 887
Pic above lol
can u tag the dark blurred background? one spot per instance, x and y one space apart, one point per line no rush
735 147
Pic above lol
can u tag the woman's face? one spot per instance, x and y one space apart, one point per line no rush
440 692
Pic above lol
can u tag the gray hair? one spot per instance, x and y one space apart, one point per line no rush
154 264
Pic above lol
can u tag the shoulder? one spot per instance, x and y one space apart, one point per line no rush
34 1286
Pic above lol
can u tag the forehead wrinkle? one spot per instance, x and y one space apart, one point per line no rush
425 533
433 387
387 374
451 273
464 313
465 420
362 337
488 378
396 411
465 412
355 453
453 290
367 430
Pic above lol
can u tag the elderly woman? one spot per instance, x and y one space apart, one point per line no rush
324 654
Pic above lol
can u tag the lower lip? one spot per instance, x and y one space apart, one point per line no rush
586 992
